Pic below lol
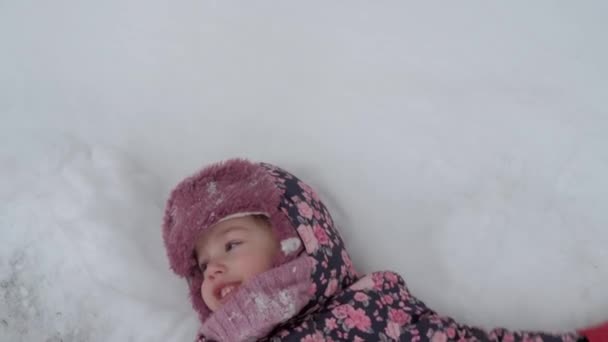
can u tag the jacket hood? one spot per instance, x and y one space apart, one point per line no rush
298 217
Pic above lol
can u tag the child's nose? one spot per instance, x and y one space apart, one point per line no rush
215 269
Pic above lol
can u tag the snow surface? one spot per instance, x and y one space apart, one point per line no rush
463 145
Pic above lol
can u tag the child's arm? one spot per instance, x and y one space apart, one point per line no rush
433 327
447 327
380 308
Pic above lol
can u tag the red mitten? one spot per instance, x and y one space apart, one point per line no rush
596 334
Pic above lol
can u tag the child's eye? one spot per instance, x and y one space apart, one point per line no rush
230 245
203 267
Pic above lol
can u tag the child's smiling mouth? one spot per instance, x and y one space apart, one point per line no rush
223 291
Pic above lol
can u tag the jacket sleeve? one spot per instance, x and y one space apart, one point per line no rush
443 328
380 308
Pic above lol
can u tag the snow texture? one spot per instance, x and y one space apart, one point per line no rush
462 145
282 305
82 255
291 245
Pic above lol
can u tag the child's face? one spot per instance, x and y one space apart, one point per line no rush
232 252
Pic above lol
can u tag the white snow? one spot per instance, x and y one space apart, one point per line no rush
461 144
82 256
282 305
290 245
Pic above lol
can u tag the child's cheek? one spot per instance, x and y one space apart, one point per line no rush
203 290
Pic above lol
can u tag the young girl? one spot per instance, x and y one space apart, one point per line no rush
264 262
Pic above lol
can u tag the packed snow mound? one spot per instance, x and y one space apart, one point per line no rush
83 258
